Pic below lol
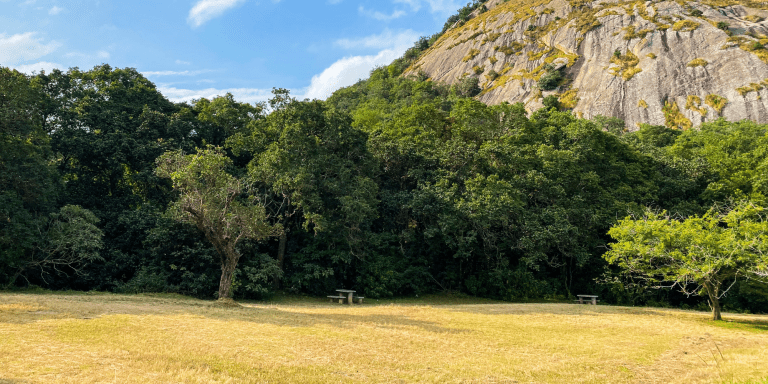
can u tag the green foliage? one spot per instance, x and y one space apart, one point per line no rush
468 87
66 242
208 199
698 255
551 78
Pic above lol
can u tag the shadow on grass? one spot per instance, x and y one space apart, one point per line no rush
743 325
12 381
304 313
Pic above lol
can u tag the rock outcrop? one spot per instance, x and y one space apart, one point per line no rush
673 63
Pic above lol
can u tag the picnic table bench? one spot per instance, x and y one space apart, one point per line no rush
587 299
346 294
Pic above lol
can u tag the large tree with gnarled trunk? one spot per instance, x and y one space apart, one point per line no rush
210 199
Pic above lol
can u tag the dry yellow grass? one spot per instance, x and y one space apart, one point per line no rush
134 339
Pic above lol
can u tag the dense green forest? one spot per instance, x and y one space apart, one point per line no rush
393 186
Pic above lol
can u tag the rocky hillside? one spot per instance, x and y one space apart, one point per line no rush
671 62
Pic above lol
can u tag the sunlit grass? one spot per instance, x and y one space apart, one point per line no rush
102 338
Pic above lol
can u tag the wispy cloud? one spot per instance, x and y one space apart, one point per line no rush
37 67
435 6
55 10
248 95
206 10
381 16
181 62
15 49
386 39
176 73
88 57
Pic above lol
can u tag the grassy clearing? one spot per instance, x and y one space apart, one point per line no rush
103 338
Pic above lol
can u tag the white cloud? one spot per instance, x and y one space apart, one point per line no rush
386 39
381 16
38 67
176 73
248 95
205 10
55 10
348 71
22 47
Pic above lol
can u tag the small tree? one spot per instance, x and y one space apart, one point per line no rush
64 243
698 255
209 199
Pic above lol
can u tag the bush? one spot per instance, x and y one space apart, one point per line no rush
551 79
468 87
551 101
723 25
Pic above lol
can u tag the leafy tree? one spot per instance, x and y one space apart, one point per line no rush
317 171
65 244
208 199
29 185
698 255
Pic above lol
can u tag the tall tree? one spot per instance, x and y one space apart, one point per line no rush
699 255
317 167
209 198
28 183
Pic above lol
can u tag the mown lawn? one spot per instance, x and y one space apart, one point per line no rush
105 338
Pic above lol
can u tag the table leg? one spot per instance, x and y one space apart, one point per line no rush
581 300
594 301
350 298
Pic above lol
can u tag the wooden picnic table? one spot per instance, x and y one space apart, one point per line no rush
590 299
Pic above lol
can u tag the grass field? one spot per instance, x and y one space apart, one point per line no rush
105 338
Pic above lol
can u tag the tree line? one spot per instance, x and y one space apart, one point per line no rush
393 186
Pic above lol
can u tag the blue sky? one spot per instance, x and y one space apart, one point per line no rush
202 48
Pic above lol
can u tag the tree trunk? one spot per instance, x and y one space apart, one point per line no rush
714 302
280 258
228 266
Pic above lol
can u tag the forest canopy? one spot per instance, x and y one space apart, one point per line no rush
393 186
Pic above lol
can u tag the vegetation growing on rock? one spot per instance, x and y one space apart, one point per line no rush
674 119
716 102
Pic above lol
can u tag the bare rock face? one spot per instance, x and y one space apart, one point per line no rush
671 63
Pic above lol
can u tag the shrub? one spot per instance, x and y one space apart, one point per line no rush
674 119
698 63
492 75
551 101
569 99
468 86
716 102
471 55
723 25
642 104
693 103
551 79
685 26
